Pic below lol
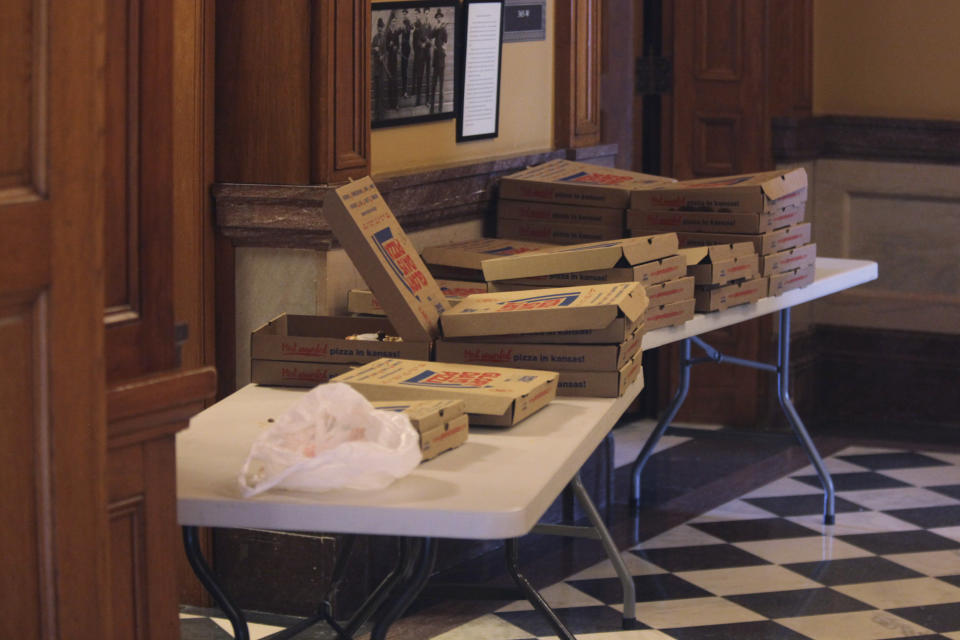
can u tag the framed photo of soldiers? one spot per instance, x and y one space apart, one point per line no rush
478 111
413 62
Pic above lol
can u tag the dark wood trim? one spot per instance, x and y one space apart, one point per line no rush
886 379
577 34
865 138
136 398
291 216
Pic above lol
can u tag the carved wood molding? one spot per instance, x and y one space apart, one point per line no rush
865 138
150 407
291 216
577 73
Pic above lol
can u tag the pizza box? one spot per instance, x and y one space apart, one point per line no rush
747 193
763 243
794 279
616 332
645 273
572 182
721 263
670 314
562 309
385 257
294 374
623 252
442 424
660 221
557 232
671 291
730 295
788 260
495 396
560 213
447 436
302 338
363 301
467 256
552 357
424 415
600 384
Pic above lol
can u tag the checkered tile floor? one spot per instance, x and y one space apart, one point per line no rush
764 566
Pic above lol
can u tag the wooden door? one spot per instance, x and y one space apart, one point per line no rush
53 568
736 64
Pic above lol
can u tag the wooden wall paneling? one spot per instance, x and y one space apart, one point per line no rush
143 418
263 86
340 93
54 562
140 333
577 45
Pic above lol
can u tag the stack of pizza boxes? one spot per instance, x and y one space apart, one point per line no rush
585 318
566 202
764 209
442 424
414 303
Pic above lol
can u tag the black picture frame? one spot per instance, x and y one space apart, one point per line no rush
481 56
407 89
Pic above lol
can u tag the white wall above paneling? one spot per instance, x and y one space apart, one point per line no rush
907 218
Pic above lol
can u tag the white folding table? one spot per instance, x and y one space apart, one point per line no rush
495 486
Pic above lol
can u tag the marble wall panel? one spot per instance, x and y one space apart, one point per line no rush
905 216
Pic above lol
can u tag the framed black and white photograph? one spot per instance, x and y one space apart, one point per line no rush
478 112
413 64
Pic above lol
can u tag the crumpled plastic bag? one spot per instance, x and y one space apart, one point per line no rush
332 438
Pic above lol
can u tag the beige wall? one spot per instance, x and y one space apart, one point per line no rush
887 58
526 117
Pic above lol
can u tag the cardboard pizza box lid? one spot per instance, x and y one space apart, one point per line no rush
385 257
542 310
469 254
581 257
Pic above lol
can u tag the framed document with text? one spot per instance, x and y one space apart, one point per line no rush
478 110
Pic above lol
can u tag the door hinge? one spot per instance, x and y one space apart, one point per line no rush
654 75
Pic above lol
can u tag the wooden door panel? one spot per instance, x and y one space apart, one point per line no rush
717 50
51 333
26 575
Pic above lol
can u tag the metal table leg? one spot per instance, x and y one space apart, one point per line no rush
783 393
637 467
532 595
207 579
782 372
598 531
411 589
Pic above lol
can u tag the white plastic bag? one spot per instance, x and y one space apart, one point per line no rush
332 438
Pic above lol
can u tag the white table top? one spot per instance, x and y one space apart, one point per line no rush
497 485
833 275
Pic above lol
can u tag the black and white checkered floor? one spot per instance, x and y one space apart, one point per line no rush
764 565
